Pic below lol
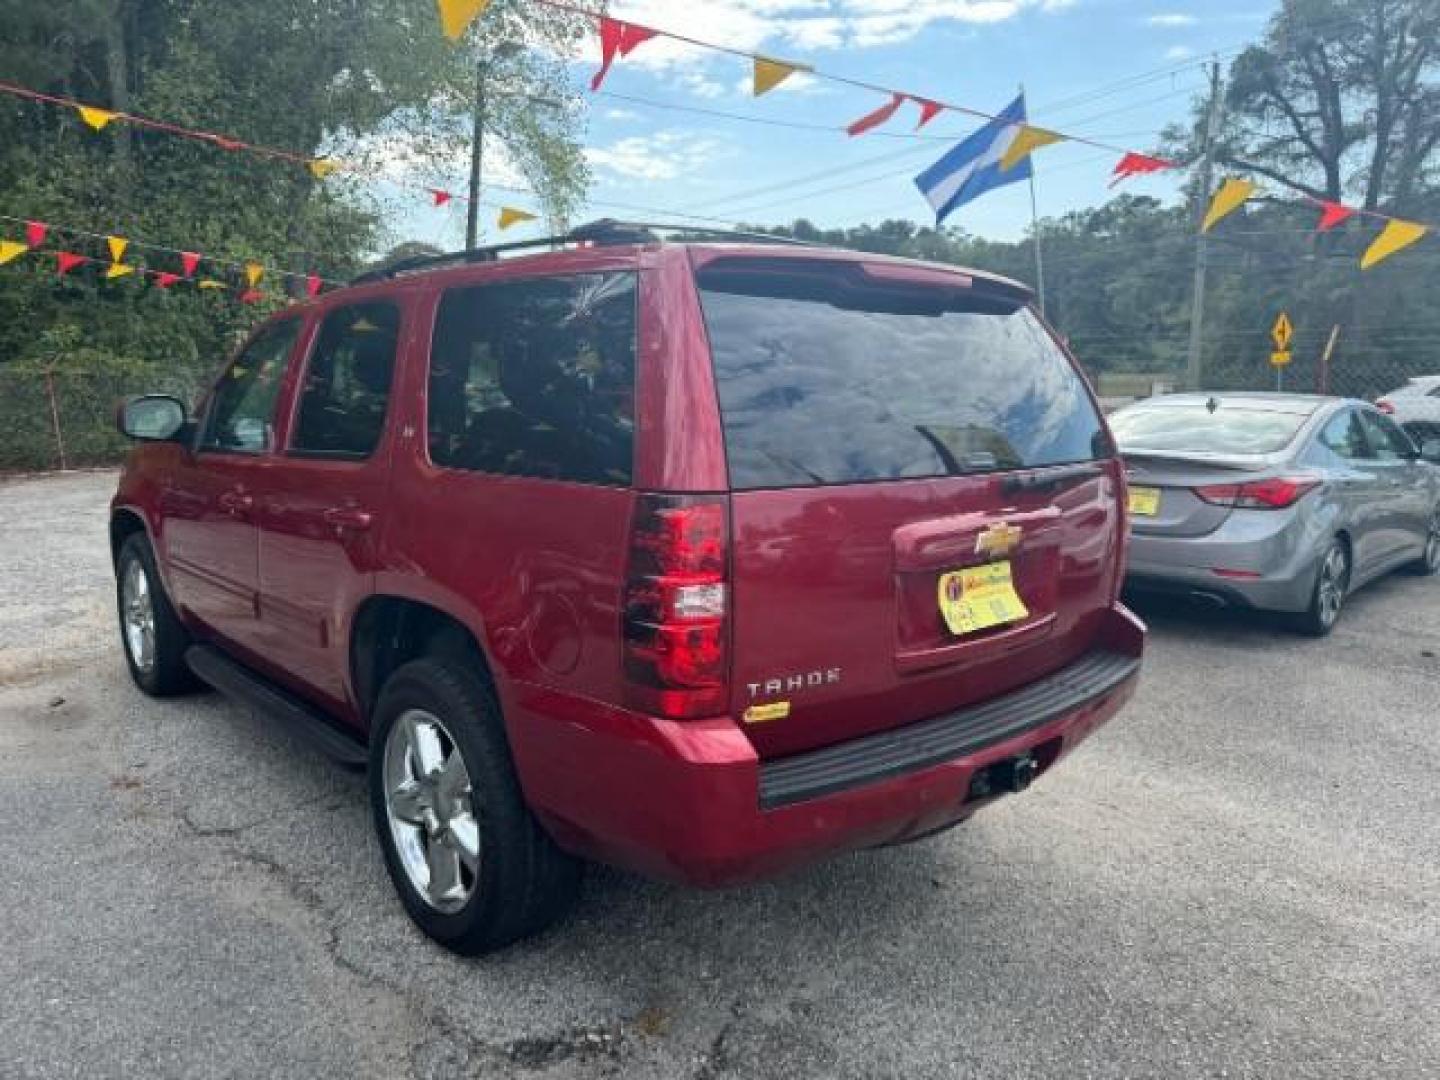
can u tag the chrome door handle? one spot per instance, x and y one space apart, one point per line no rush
348 517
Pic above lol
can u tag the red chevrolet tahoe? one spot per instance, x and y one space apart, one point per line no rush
705 559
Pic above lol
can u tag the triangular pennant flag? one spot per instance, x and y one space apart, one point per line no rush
117 245
320 168
617 39
253 273
9 250
66 261
1332 214
1027 140
96 118
251 296
509 215
771 73
1133 164
1396 236
928 110
227 144
189 262
457 15
164 280
312 285
211 283
1231 196
440 197
35 233
879 116
117 270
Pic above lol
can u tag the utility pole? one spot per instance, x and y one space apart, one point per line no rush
477 150
1193 372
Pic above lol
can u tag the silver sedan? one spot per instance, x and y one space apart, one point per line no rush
1285 502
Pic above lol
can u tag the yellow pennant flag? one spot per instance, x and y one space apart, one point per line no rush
1396 235
211 283
9 249
253 273
96 118
1228 199
1027 140
320 168
117 244
509 215
771 73
116 269
457 15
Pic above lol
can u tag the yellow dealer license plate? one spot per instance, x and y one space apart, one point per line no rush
980 597
1144 501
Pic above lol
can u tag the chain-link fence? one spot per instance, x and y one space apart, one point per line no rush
66 419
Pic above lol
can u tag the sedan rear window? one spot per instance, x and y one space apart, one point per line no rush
1205 427
827 375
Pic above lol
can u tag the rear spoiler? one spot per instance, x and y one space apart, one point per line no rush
1238 462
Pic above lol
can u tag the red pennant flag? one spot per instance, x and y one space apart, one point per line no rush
440 197
226 144
1133 164
189 262
65 261
878 117
250 296
1332 214
164 280
617 38
312 285
35 233
928 111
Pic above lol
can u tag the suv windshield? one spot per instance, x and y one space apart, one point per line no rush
827 375
1198 428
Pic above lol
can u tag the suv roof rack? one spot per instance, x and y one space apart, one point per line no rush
606 232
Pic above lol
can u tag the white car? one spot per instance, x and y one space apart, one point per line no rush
1415 406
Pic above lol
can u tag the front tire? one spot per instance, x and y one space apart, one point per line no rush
1332 582
473 867
151 635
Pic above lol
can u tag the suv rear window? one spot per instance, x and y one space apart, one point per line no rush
829 376
1205 427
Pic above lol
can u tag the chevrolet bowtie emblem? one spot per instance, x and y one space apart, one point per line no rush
998 540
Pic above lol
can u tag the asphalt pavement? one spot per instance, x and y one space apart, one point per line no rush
1239 876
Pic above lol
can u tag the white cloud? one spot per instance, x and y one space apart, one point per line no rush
1172 20
1179 52
665 155
621 114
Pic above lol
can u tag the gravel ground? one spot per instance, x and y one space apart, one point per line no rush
1238 877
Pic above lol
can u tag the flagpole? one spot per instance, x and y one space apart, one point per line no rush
1035 230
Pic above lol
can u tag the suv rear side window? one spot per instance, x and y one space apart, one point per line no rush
827 376
347 382
536 378
242 408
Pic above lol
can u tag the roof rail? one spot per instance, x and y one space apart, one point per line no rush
606 232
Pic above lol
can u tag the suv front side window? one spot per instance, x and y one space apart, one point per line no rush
242 406
536 378
347 383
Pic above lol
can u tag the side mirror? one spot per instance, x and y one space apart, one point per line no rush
1430 451
151 418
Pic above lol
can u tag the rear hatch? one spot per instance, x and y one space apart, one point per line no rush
888 428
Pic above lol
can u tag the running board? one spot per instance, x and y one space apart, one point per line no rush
239 682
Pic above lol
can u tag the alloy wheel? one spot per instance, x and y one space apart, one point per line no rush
137 614
1331 588
1432 546
429 806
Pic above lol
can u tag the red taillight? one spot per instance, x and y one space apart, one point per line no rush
675 605
1385 406
1273 494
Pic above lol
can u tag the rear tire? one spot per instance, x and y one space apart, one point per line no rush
151 635
1429 563
1327 599
473 867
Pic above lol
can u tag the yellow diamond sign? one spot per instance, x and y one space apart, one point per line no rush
1282 332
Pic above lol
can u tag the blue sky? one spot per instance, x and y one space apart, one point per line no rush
1078 60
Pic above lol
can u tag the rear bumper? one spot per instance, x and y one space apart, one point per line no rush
691 802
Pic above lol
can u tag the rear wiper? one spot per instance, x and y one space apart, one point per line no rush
1050 478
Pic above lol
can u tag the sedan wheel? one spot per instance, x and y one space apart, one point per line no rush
1331 585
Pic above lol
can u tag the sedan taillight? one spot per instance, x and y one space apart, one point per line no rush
1273 494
